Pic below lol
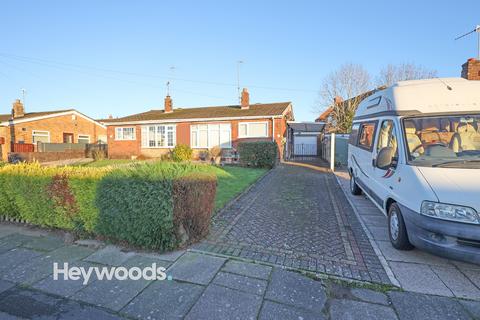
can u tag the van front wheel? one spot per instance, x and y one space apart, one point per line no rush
397 231
354 188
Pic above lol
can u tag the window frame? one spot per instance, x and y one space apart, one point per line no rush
41 135
122 138
83 135
147 127
248 129
353 137
374 134
196 128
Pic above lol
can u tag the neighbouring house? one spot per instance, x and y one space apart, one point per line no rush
155 132
304 139
21 132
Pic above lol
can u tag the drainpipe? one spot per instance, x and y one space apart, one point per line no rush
273 129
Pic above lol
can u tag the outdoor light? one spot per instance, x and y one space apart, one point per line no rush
449 212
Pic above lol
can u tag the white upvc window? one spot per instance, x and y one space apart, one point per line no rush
159 136
83 138
253 129
125 133
40 136
211 135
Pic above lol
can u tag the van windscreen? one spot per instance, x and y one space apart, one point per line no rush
443 141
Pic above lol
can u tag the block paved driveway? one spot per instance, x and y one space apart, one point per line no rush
298 217
203 286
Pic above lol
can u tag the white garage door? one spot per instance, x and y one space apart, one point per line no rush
305 145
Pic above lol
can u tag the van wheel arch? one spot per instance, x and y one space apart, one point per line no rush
388 204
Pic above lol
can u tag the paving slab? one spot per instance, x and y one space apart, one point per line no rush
110 255
14 258
274 311
295 289
242 283
70 253
473 275
375 220
28 304
73 310
457 282
164 300
412 256
112 294
170 256
45 243
6 230
473 307
411 305
5 285
248 269
64 287
142 261
30 271
419 278
6 316
370 296
224 303
196 268
13 240
349 310
379 233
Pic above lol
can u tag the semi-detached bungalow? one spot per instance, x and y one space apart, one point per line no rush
21 131
155 132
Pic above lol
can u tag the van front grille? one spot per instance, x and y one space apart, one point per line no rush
468 242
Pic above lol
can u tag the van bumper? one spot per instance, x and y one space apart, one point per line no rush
460 241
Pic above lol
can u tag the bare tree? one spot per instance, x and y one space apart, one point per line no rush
343 90
391 74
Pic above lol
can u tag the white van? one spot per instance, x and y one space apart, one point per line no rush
414 151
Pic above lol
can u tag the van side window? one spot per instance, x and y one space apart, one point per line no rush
367 133
387 136
352 139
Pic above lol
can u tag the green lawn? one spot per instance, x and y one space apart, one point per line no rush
232 180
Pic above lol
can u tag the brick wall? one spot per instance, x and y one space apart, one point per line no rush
56 126
471 69
127 149
48 156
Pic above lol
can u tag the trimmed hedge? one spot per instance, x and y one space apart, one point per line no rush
156 206
260 154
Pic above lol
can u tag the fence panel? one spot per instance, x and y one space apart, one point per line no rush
23 147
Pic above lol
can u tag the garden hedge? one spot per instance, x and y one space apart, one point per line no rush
261 154
156 206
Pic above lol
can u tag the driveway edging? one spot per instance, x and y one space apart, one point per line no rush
372 241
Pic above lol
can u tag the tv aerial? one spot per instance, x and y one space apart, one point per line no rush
477 30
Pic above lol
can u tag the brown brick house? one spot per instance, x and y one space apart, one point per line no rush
23 130
156 132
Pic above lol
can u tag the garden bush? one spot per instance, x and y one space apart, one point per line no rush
261 154
156 206
182 152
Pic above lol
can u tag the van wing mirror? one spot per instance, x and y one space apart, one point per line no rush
384 158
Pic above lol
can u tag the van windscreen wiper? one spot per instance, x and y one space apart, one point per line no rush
464 161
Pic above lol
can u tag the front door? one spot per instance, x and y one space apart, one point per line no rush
67 137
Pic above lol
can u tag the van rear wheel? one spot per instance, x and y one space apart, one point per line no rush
397 231
354 188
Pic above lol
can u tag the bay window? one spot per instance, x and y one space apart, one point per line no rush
211 135
158 136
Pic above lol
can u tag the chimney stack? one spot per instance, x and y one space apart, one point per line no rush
245 100
471 69
168 104
17 109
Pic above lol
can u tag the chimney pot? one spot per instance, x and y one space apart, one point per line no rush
245 100
17 109
168 104
471 69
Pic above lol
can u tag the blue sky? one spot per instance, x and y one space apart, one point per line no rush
60 51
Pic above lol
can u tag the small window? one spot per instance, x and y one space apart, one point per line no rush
83 138
40 136
253 129
125 133
352 139
367 133
387 136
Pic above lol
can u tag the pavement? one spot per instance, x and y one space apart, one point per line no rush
202 286
416 270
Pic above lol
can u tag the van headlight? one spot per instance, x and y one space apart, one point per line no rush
449 212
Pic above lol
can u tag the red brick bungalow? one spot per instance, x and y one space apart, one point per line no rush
156 132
